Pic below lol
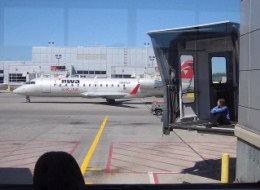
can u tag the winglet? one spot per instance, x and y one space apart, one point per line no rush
134 91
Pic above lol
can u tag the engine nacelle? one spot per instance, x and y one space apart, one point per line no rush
149 83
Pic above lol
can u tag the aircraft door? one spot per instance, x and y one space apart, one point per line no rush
187 95
222 80
46 85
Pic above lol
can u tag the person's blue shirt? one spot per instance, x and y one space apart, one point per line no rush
218 109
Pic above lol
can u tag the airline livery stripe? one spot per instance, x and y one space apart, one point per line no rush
134 91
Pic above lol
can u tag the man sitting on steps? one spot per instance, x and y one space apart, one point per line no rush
219 115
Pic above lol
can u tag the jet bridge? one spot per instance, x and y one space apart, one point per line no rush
198 65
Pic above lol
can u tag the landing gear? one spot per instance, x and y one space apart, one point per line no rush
27 98
158 112
111 101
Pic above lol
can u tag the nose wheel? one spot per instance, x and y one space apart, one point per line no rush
27 98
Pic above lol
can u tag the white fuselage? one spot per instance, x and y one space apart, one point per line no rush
91 88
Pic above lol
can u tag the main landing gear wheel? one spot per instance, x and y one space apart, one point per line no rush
111 101
27 98
158 112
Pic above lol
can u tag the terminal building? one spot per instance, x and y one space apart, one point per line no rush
100 61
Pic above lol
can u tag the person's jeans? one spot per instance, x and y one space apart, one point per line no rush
219 119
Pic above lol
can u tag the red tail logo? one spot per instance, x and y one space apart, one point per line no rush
134 91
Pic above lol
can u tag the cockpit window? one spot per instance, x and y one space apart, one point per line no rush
30 82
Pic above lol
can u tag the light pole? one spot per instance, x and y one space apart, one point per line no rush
50 43
146 44
152 59
58 56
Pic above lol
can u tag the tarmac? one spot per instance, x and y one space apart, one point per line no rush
113 144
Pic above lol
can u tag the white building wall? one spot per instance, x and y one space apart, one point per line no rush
113 60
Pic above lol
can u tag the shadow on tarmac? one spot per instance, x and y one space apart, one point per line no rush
212 169
122 103
118 103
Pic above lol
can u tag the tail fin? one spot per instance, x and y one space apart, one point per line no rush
135 90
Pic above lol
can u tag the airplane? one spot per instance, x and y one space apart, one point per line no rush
107 88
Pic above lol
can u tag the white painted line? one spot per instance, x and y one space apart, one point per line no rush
151 178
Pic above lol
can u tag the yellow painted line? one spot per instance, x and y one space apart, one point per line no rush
88 156
94 169
89 183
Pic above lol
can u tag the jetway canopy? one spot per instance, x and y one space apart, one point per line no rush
200 41
174 40
163 38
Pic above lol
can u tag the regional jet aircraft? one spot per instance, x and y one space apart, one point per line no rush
110 89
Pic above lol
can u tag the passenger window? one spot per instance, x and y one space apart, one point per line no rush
218 70
60 85
100 85
106 85
187 78
84 85
112 85
89 85
118 85
95 85
72 85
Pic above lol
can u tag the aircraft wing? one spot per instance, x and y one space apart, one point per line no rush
109 95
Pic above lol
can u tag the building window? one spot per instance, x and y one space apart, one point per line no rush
16 77
82 72
219 70
100 72
1 76
187 78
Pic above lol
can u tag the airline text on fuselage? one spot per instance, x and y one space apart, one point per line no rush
70 81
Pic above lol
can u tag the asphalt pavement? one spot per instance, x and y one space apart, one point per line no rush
113 144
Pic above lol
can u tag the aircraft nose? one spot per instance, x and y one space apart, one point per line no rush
18 90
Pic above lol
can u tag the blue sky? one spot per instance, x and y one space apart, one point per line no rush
107 22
